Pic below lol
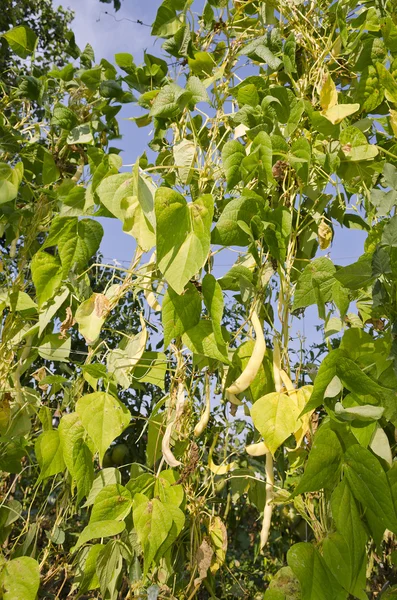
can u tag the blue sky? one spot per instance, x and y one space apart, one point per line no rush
111 33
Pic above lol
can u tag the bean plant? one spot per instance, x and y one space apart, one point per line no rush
167 428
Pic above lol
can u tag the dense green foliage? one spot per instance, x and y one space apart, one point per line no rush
163 433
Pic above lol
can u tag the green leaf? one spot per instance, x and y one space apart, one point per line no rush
20 579
49 454
103 417
82 469
232 155
153 522
88 579
369 484
130 198
170 101
337 558
349 524
227 231
213 300
196 87
275 416
70 431
152 368
122 360
180 313
108 568
99 529
201 339
387 81
182 254
104 477
22 40
63 117
81 134
355 145
46 275
259 160
357 275
317 583
113 503
324 465
55 348
77 240
184 156
321 271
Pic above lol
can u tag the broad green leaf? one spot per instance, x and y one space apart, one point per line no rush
181 255
337 113
81 134
51 308
63 117
321 271
55 348
357 275
317 582
153 522
337 558
113 503
103 417
180 313
49 454
103 478
83 468
388 82
201 339
99 529
129 197
259 160
197 89
20 579
88 580
91 315
232 155
275 416
77 241
184 157
122 360
213 300
350 526
355 145
369 484
170 101
108 568
283 586
324 464
152 368
22 40
47 276
70 431
227 231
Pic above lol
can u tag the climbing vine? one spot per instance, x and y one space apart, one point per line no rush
166 428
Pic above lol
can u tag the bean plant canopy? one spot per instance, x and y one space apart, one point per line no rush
166 429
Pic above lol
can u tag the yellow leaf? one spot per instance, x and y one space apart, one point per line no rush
324 235
328 93
393 121
218 535
337 113
301 398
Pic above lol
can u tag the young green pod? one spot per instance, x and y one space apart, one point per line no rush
251 370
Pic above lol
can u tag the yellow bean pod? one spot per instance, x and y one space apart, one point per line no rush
251 370
258 449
